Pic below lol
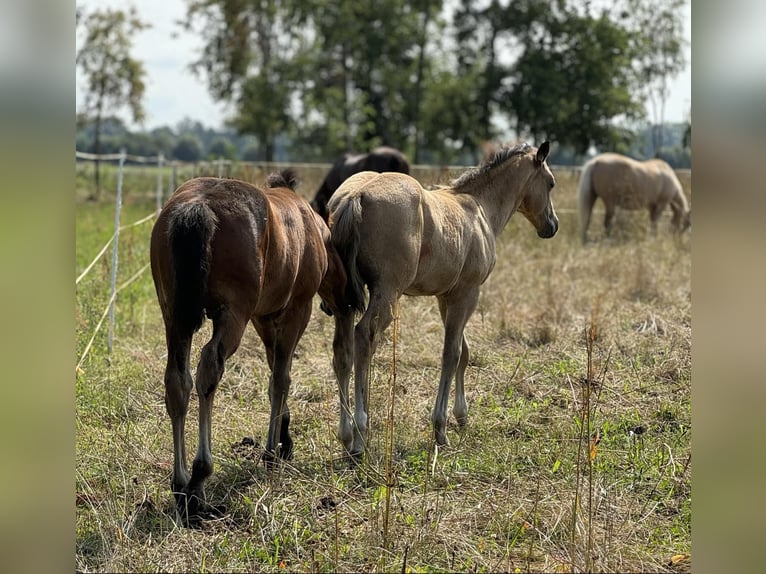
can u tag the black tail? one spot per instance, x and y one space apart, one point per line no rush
191 230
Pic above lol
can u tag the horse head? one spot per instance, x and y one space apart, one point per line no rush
536 205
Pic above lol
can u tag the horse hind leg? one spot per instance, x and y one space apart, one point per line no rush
587 199
178 385
228 328
281 338
377 317
343 362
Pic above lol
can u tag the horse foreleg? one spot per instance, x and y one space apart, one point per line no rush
455 313
227 333
460 410
342 362
178 386
655 211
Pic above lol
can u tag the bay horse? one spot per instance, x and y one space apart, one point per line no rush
624 182
395 238
380 159
233 252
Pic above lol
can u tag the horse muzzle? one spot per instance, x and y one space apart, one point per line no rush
549 229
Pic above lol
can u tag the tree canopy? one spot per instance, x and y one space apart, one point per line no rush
433 78
114 79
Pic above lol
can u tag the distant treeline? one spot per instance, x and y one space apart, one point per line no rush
191 141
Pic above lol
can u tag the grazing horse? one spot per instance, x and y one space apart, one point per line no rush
380 159
624 182
395 238
235 253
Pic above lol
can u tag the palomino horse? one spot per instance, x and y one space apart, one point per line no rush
397 238
235 253
380 159
624 182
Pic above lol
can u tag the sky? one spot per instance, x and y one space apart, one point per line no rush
173 92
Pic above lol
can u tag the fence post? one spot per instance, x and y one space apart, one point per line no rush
113 287
160 159
220 167
175 175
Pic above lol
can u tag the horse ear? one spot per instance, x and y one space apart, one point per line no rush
543 151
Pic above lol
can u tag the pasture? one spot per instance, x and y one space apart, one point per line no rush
571 345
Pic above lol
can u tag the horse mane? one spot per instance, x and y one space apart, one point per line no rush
501 155
288 177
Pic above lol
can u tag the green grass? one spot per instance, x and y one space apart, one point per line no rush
505 496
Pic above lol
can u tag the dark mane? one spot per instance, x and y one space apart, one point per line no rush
285 178
501 155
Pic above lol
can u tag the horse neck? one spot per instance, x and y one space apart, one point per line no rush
499 193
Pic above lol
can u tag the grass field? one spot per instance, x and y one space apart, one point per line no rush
568 341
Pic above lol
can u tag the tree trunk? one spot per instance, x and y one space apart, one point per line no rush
346 102
485 118
97 150
419 79
268 146
97 137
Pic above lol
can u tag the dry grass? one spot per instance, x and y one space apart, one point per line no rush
568 340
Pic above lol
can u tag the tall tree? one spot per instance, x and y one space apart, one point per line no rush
660 57
367 58
114 79
478 29
573 80
249 58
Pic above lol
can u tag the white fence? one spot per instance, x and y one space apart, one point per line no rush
114 242
159 161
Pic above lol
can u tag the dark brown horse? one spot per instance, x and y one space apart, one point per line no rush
380 159
235 253
396 238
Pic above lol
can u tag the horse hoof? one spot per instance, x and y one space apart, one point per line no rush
270 458
355 459
192 511
441 439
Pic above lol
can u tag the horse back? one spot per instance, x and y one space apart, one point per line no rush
625 182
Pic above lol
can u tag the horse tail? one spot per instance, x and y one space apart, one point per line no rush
586 197
345 238
190 231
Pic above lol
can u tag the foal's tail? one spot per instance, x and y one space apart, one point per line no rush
586 197
190 230
345 237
